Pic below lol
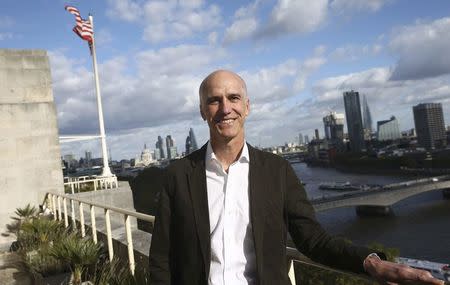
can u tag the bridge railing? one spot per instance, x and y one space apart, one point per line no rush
58 205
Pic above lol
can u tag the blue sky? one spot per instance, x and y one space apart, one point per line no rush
297 57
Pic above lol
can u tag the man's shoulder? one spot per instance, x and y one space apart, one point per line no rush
265 156
188 162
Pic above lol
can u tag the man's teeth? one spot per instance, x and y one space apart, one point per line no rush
229 121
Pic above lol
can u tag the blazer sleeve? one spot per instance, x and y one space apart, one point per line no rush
160 251
309 236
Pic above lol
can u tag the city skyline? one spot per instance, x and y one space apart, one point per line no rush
297 63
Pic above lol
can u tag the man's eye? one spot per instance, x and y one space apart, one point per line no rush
235 98
213 101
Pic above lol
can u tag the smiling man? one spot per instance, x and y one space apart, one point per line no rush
226 209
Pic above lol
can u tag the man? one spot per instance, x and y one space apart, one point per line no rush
225 210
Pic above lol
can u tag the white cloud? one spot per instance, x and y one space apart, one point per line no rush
296 17
212 38
331 88
354 6
127 10
352 52
271 84
103 37
244 23
240 29
308 67
422 49
178 60
167 20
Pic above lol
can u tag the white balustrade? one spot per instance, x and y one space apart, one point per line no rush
55 207
75 183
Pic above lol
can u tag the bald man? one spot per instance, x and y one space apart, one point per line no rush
226 209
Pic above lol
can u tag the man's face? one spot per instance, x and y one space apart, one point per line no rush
224 105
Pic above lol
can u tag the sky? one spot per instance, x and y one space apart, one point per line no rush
297 57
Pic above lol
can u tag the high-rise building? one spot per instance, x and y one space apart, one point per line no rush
194 145
306 139
334 126
171 148
160 147
354 121
430 127
367 116
191 142
316 134
88 158
300 139
388 130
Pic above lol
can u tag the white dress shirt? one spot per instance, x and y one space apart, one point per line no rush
233 260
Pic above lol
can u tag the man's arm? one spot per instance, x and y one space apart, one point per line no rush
309 236
159 257
312 240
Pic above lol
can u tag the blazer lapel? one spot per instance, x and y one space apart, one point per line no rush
256 197
199 200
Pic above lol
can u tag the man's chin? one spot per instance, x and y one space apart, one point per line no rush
225 136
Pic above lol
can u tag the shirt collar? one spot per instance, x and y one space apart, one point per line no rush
211 156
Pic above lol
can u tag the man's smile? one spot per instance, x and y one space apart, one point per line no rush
228 121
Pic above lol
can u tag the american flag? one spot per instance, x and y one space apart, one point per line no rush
83 27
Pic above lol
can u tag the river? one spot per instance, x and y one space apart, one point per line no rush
419 228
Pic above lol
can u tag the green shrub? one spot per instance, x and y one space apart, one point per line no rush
78 253
39 232
26 214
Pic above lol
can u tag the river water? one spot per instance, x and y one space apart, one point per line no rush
420 226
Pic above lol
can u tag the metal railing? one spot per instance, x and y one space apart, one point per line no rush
57 203
98 182
55 200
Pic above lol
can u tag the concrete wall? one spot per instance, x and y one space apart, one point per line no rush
30 163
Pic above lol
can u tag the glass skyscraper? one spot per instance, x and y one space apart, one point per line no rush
354 121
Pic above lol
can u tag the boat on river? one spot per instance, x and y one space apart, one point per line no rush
345 186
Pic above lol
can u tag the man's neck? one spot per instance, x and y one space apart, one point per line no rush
227 152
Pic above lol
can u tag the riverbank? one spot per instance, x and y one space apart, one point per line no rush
393 166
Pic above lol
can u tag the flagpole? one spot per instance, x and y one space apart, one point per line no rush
106 171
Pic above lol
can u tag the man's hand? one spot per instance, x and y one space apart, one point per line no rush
391 273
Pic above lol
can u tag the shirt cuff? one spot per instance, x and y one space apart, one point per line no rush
374 255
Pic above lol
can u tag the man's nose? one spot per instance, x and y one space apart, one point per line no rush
225 107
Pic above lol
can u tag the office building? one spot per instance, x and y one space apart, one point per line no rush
300 139
354 121
367 116
87 158
388 129
160 148
430 127
171 148
316 134
191 142
334 126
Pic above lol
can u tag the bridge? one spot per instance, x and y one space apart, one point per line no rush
383 197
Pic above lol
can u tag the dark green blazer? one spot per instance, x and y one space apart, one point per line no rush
180 248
